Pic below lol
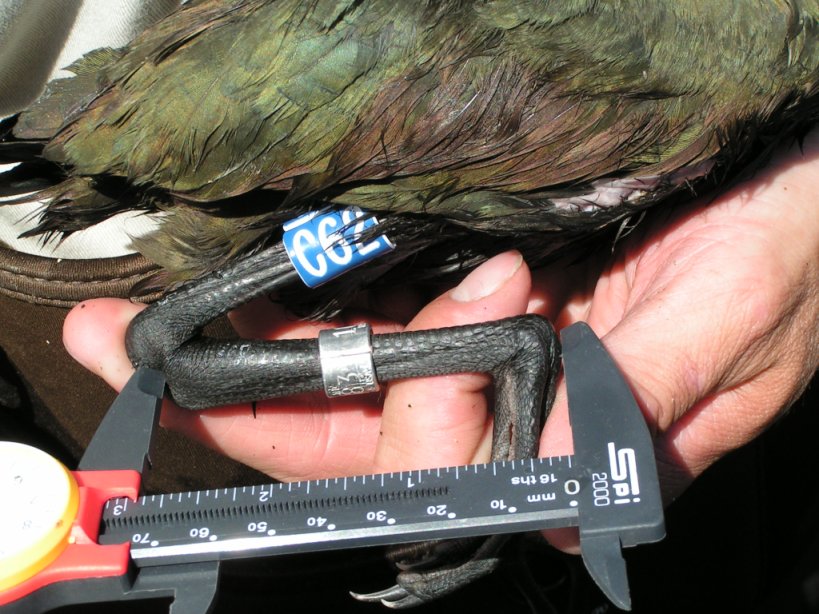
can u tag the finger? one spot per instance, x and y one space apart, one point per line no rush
94 335
562 290
443 420
398 303
263 318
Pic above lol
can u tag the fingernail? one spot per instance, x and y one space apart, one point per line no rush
487 278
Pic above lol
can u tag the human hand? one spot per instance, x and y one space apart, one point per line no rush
711 313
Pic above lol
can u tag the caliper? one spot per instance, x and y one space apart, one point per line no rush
75 537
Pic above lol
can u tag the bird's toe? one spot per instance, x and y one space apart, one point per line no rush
395 597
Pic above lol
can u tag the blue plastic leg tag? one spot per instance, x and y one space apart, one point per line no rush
323 245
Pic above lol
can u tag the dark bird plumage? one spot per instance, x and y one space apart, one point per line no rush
467 127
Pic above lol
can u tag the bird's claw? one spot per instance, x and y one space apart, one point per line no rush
395 597
416 588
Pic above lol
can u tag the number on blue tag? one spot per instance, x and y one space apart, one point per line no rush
323 245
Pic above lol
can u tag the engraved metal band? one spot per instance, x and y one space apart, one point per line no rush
346 356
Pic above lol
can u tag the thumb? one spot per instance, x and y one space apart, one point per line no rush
94 336
440 421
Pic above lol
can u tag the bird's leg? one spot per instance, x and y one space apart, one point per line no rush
524 392
520 353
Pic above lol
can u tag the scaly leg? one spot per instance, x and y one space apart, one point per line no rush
520 353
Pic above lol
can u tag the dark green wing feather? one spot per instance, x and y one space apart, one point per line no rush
499 115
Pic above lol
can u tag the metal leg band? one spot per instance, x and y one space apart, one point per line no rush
346 356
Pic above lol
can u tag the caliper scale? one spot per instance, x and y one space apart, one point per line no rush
120 547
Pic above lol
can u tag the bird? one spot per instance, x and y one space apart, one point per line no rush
454 128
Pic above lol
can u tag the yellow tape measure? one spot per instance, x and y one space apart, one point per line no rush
39 499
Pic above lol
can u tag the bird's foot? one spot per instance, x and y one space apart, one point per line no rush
415 588
520 353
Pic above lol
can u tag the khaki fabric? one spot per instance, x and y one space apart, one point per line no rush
62 282
40 37
39 40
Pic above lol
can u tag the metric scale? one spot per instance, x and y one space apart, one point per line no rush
85 536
